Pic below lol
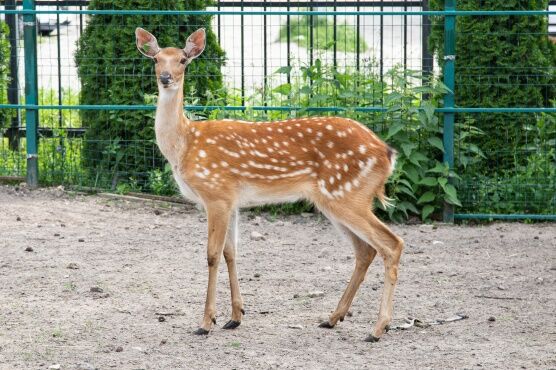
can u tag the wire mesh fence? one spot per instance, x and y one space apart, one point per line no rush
368 60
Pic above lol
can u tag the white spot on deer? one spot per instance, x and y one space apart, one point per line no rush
210 141
202 154
280 131
329 127
299 134
350 153
264 141
197 133
309 130
297 125
269 129
276 144
356 183
229 152
331 179
330 144
253 131
213 165
258 154
273 160
285 143
362 149
346 168
348 186
270 150
339 176
319 134
224 164
289 127
337 166
304 149
328 164
323 189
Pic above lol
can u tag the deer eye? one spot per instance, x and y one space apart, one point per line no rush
183 60
155 60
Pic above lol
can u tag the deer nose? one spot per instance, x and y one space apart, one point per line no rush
165 78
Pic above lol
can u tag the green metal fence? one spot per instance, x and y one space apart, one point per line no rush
490 187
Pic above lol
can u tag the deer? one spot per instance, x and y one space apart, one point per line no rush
336 163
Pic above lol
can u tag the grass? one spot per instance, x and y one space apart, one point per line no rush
323 36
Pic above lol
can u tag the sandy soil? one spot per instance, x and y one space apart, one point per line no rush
148 258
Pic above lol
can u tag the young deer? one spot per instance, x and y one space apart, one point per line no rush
336 163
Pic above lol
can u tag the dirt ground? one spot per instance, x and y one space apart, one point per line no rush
146 260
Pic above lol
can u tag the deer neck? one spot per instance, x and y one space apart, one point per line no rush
171 123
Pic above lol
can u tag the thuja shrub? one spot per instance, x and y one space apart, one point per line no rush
501 61
120 144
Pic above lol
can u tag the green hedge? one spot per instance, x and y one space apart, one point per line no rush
502 61
112 71
5 114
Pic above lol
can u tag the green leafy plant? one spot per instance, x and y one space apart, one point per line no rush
162 182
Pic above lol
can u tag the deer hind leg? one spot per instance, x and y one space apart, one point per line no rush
218 214
364 255
230 249
363 223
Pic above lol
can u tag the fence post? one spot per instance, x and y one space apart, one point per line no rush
449 98
31 92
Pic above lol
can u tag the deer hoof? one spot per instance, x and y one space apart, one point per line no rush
326 324
232 324
371 339
201 331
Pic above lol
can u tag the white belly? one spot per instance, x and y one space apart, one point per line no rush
250 196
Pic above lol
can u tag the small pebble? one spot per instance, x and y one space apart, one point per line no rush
492 318
72 266
54 367
80 240
257 275
163 341
257 236
96 289
18 218
161 318
56 234
157 212
295 326
315 294
29 249
119 349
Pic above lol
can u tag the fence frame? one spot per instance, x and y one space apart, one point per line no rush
450 13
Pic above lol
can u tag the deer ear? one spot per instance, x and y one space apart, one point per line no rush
195 44
146 43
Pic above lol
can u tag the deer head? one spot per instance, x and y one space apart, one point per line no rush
170 62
